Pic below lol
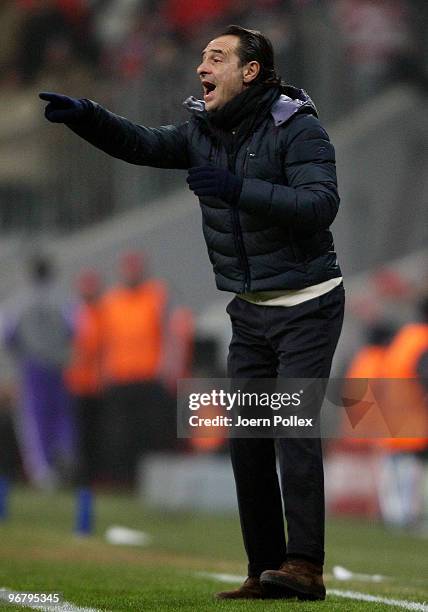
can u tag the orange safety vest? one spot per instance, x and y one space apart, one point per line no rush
407 399
367 363
405 350
132 332
384 364
83 374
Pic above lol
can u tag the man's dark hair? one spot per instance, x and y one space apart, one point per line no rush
254 46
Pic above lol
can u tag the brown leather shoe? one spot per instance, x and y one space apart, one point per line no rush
299 576
251 589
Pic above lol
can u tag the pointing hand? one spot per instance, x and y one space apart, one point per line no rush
62 109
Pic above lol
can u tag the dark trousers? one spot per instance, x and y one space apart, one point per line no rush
287 342
89 414
137 419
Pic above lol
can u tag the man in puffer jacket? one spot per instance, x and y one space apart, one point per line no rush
264 171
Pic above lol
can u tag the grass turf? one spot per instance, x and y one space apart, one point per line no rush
39 552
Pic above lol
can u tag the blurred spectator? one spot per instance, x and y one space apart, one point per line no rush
378 42
10 24
114 20
363 414
403 470
400 460
185 17
400 471
83 375
133 316
135 51
367 363
39 337
54 33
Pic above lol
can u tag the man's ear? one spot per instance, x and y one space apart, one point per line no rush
251 72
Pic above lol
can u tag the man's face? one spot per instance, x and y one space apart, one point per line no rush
220 72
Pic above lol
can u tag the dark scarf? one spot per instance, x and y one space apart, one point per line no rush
243 114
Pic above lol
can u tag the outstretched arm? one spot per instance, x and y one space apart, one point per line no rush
163 147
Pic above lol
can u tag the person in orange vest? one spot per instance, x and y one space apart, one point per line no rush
83 374
133 316
399 471
403 472
361 419
367 363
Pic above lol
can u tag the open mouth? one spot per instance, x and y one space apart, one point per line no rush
208 90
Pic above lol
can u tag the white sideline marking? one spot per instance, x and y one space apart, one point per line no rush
343 574
64 606
123 536
399 603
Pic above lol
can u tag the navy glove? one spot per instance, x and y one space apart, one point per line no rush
62 109
215 182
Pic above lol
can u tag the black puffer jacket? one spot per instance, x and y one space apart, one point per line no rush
277 237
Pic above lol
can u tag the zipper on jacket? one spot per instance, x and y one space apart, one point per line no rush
239 236
215 157
241 249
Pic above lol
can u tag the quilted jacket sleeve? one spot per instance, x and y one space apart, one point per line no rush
162 147
309 201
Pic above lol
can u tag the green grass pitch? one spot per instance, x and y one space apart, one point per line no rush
38 552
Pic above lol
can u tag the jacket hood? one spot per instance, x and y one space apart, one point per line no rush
291 101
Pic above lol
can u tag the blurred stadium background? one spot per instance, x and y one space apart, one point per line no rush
98 221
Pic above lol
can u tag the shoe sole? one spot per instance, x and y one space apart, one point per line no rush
279 582
277 592
272 593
